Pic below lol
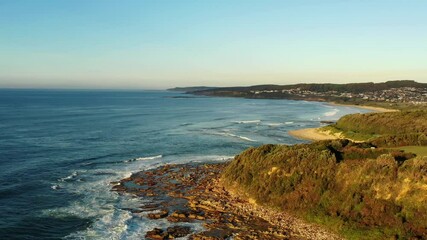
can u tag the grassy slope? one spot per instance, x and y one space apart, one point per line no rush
418 150
390 128
365 193
369 190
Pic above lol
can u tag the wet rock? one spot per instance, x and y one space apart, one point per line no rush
197 215
156 234
178 231
213 234
179 216
191 192
118 188
162 214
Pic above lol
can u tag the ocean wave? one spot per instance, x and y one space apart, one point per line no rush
247 121
287 123
98 203
144 158
96 157
183 159
148 158
273 124
331 113
226 132
109 210
69 177
237 136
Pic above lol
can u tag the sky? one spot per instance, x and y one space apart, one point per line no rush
157 44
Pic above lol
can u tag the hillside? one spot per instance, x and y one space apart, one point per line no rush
385 129
395 94
376 189
324 87
364 193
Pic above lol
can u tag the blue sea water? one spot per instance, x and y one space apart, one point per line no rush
59 151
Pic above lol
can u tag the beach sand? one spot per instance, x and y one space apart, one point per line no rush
315 134
375 109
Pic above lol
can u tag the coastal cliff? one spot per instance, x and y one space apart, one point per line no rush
349 187
375 188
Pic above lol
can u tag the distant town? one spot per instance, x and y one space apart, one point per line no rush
394 95
398 92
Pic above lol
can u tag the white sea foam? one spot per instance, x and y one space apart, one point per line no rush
246 138
273 124
228 134
105 207
289 123
149 158
182 159
99 203
242 137
331 113
247 121
69 177
237 136
144 158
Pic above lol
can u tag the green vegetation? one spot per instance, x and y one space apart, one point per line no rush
322 87
365 192
418 150
399 94
374 189
385 129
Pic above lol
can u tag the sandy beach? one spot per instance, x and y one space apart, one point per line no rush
315 134
375 109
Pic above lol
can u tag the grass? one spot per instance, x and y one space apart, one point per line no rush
348 134
418 150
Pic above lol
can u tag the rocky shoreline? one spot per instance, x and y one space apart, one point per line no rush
194 193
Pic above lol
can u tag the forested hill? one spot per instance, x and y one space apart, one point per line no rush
321 87
399 91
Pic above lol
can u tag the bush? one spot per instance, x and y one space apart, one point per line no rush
364 188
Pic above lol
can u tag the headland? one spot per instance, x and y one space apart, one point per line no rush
360 179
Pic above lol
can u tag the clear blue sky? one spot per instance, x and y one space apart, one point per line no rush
159 44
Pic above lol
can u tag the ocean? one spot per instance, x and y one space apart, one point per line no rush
60 149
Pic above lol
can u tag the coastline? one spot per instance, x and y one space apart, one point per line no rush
316 134
374 109
186 194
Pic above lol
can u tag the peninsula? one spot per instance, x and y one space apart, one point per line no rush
367 181
391 94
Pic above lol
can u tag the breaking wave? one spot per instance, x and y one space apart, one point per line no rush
331 113
144 158
247 121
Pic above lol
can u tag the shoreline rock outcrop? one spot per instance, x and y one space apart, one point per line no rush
193 193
